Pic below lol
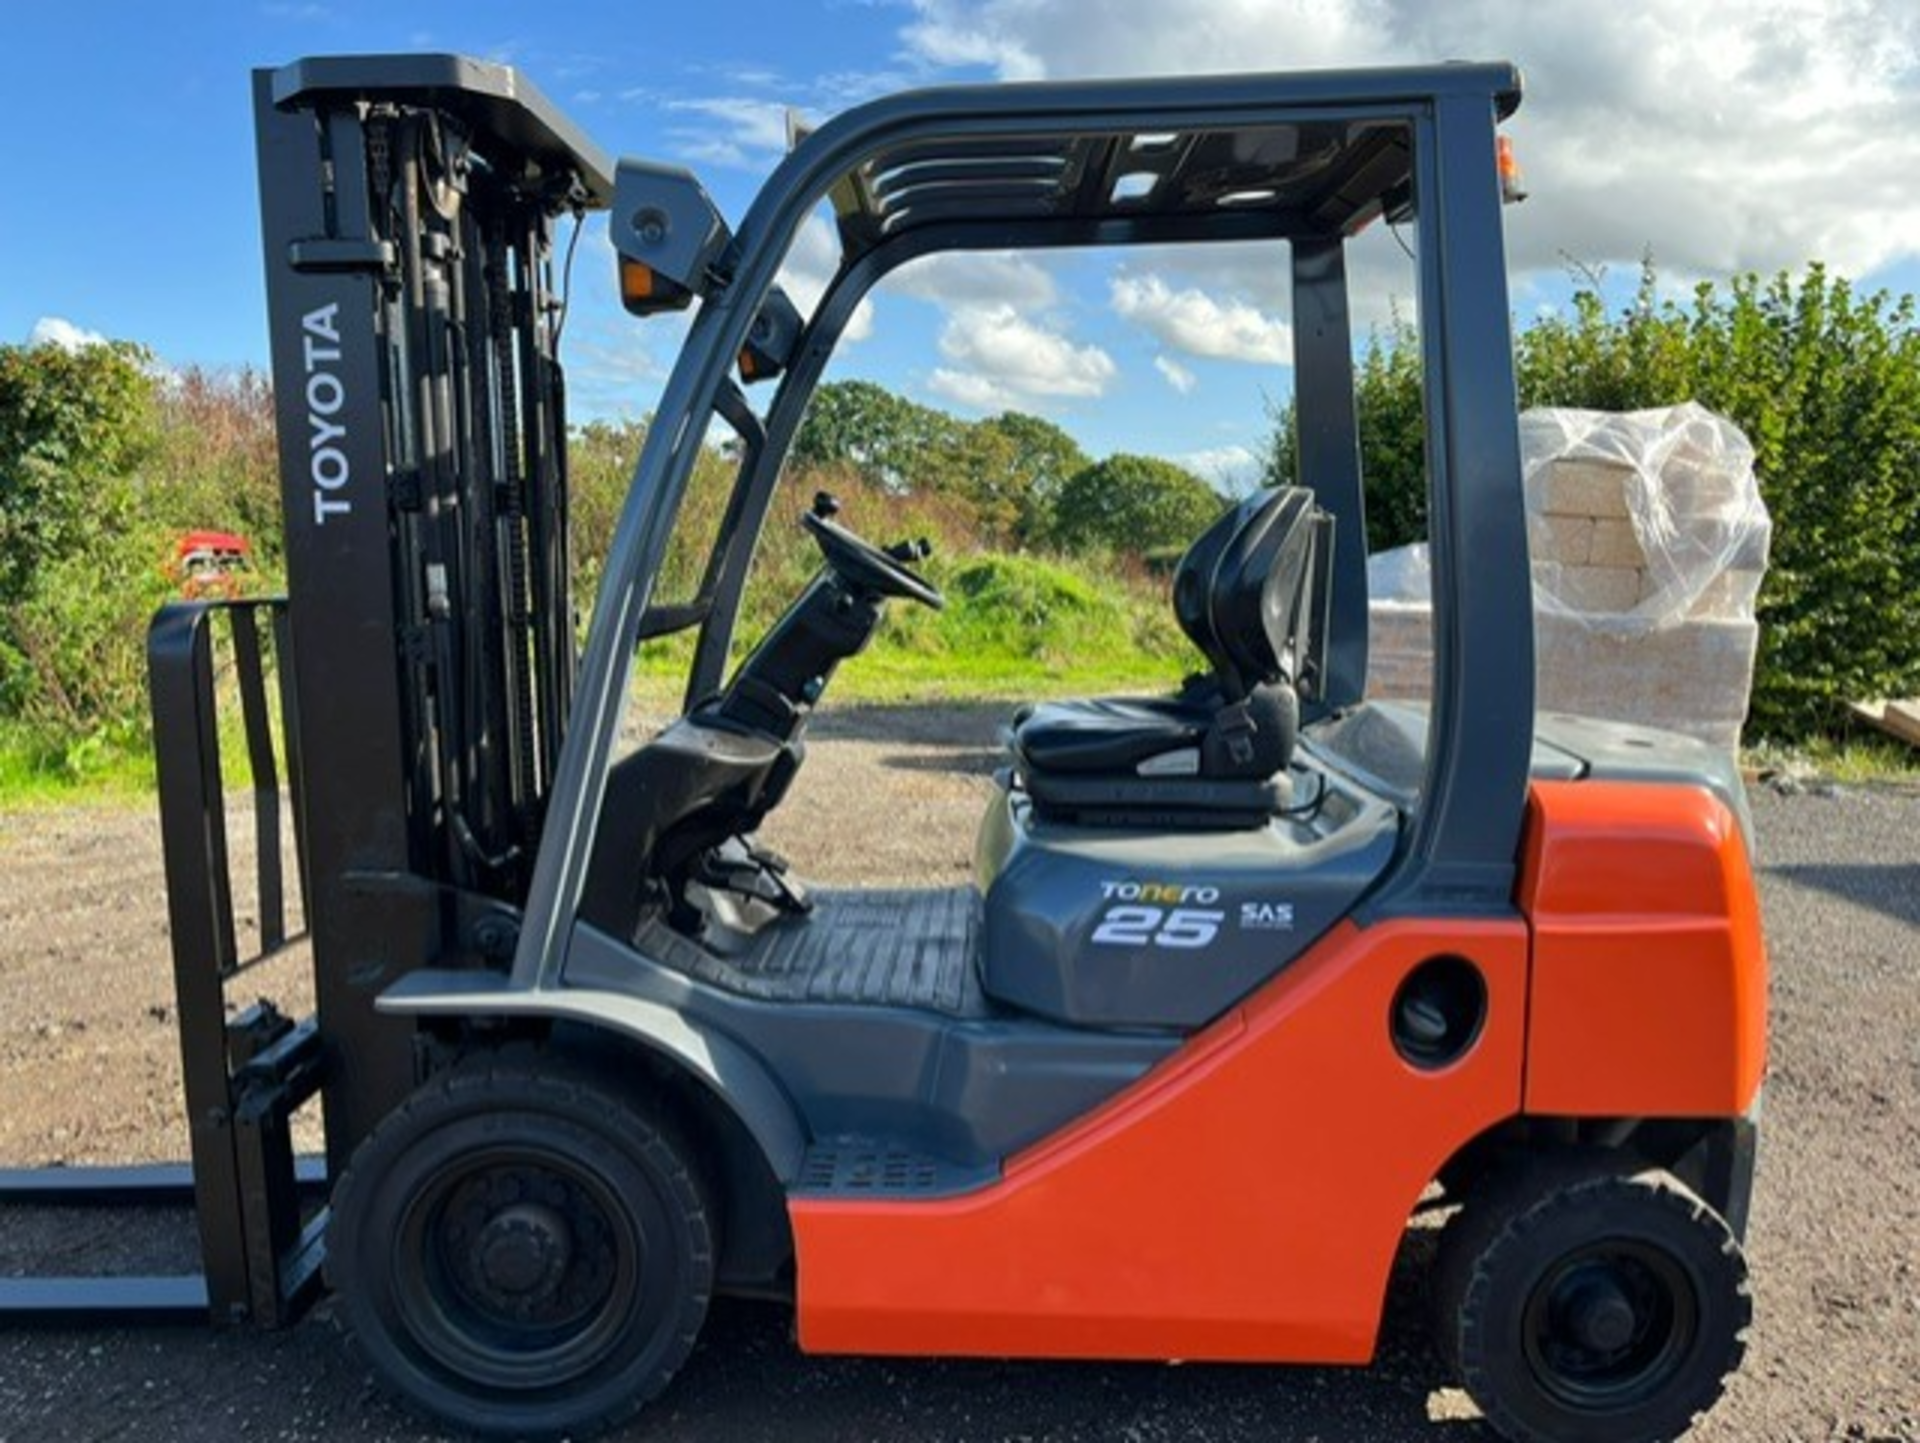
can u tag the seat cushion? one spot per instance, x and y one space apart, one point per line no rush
1193 734
1160 804
1113 735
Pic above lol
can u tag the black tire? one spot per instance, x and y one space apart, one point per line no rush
1583 1306
521 1251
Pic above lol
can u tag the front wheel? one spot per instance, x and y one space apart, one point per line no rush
521 1251
1591 1309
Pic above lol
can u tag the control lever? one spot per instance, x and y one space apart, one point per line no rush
908 552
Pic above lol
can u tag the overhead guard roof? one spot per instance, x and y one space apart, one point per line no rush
1114 162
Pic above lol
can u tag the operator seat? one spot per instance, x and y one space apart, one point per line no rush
1215 754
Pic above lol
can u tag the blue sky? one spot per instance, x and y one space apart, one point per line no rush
1722 134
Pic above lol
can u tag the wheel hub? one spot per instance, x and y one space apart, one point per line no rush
1600 1316
523 1253
1609 1325
526 1248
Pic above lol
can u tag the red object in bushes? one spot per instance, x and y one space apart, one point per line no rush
212 563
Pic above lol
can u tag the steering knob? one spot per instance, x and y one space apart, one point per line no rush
825 505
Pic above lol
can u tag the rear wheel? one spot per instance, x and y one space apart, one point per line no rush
1591 1308
520 1250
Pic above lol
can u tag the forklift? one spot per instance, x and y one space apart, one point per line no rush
1248 974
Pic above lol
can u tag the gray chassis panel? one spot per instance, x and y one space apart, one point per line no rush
969 1091
1382 747
726 1068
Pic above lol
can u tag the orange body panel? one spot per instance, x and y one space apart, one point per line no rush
1243 1201
1649 971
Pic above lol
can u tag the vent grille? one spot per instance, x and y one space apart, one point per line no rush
866 1170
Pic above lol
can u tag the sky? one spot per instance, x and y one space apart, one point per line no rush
1718 136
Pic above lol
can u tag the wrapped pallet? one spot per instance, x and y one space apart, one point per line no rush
1649 541
1400 624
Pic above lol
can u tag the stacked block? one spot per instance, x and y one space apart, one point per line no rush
1399 650
1645 569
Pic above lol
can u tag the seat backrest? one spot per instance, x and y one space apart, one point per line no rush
1241 586
1261 587
1193 578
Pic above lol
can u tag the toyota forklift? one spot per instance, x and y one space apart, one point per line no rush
1248 975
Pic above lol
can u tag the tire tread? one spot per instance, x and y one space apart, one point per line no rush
532 1072
1514 1204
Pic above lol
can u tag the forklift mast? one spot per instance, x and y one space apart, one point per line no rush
409 206
422 663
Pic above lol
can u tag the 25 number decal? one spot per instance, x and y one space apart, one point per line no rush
1183 927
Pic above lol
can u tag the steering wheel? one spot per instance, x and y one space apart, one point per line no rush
879 571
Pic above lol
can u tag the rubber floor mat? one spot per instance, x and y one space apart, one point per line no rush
878 948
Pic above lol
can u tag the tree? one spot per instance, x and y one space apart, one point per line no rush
1042 458
884 437
215 463
978 466
1133 504
80 553
600 462
1390 412
1004 469
1826 385
73 425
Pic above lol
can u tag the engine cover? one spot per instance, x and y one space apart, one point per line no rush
1103 927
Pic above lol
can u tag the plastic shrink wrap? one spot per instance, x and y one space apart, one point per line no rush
1649 541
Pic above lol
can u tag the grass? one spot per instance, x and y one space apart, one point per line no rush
1015 627
889 677
106 773
101 770
36 774
32 776
1857 759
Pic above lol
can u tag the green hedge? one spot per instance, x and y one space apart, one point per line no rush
1825 381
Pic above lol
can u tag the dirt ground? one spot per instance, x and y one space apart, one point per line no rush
89 1068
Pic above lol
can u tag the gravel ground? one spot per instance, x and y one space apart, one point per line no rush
88 1073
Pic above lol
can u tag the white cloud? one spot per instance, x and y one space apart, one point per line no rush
1232 469
956 34
1190 320
1176 375
970 389
1030 39
1001 359
1719 134
613 369
58 331
732 130
810 265
957 278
